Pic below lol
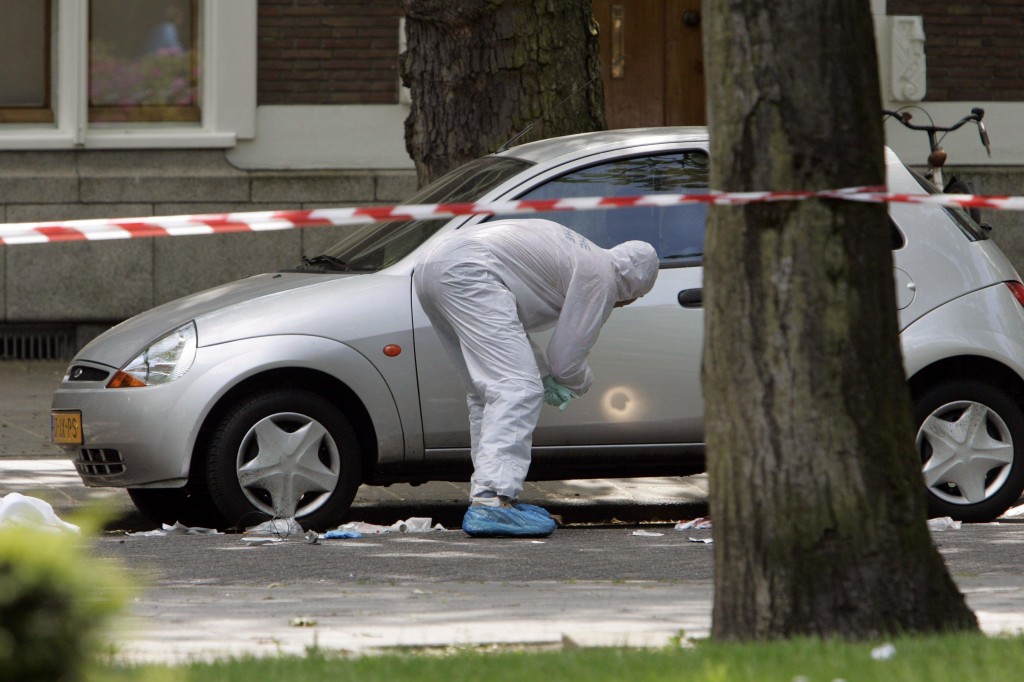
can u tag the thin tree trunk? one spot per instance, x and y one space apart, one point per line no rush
816 490
481 71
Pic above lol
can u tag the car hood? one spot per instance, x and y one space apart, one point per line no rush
120 344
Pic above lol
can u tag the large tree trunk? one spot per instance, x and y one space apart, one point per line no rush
481 71
816 490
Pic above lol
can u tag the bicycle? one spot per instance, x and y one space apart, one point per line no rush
937 155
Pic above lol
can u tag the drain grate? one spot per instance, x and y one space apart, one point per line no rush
36 342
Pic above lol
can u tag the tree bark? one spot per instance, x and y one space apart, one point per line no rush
815 485
481 71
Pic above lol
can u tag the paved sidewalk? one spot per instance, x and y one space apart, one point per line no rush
25 392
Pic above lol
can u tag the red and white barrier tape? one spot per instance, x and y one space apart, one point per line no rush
260 221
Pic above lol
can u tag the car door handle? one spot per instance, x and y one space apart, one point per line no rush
691 298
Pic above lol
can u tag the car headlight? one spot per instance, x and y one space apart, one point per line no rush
165 360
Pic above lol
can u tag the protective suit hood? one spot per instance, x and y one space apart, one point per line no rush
636 263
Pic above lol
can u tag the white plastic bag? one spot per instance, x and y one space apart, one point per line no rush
944 523
177 529
17 510
414 524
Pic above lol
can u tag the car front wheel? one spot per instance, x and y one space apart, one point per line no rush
285 453
971 441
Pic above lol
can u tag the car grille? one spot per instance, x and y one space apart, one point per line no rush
84 373
100 462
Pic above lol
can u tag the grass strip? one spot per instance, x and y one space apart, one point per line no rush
956 658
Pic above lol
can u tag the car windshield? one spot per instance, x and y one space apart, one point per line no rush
375 246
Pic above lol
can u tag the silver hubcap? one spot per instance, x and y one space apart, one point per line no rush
288 465
969 452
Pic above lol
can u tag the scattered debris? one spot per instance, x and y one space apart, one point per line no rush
339 534
706 541
303 622
415 524
944 523
883 653
276 528
358 529
17 510
176 529
701 523
1013 512
647 534
261 540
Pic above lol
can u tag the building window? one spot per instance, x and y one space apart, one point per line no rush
105 74
25 53
143 60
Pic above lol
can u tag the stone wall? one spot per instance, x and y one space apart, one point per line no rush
1007 226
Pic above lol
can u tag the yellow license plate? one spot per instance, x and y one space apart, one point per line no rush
66 427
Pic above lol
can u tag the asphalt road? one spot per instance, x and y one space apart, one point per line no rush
216 596
611 553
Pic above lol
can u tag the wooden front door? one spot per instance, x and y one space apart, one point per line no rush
653 68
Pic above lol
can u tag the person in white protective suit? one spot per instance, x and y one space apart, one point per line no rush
484 288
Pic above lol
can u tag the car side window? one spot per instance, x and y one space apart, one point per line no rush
676 232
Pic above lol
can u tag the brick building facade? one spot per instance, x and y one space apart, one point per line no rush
975 50
342 52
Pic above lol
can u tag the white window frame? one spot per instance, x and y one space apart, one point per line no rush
228 88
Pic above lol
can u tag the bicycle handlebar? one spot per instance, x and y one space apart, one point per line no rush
976 116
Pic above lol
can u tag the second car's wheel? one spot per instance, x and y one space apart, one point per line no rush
285 453
971 441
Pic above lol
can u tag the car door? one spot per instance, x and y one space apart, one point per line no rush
647 359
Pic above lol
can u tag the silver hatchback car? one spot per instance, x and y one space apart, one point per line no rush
281 393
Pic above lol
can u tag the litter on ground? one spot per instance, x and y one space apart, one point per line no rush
1013 512
944 523
701 523
884 652
414 524
176 529
357 529
21 511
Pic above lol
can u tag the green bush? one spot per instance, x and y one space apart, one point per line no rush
54 602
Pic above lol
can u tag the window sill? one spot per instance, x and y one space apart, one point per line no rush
192 138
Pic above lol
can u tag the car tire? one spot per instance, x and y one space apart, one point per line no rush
970 437
283 453
186 506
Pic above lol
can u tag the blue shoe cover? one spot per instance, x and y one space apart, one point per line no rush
520 521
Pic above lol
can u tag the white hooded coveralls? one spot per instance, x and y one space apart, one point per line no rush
484 288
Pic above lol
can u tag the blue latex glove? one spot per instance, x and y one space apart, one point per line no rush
556 394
